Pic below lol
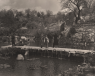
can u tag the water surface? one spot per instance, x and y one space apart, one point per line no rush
38 66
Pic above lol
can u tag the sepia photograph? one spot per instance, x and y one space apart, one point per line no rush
47 37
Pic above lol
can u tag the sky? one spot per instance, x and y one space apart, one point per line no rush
40 5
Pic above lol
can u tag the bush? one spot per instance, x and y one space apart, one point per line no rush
91 59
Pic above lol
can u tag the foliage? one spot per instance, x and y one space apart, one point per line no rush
49 13
72 31
9 21
32 19
32 25
77 7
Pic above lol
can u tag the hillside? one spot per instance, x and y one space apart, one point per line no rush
85 31
54 27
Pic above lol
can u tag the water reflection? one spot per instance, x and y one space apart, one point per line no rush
36 67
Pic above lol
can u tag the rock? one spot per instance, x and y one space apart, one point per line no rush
5 58
33 67
32 59
59 75
4 66
1 66
90 75
20 57
44 66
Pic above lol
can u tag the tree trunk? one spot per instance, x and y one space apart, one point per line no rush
76 21
77 17
13 40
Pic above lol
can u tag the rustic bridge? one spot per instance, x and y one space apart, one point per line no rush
53 51
69 50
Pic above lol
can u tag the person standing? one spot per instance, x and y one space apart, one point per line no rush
46 41
55 40
42 40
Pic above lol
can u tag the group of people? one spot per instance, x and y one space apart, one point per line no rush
45 40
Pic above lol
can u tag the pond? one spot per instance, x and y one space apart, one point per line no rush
36 66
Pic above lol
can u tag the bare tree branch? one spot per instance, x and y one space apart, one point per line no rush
73 2
90 2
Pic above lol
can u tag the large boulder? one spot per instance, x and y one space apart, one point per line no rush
20 57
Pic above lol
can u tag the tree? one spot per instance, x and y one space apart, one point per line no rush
32 25
75 6
62 28
49 13
43 15
69 18
60 16
34 12
89 10
27 11
38 14
7 18
10 21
